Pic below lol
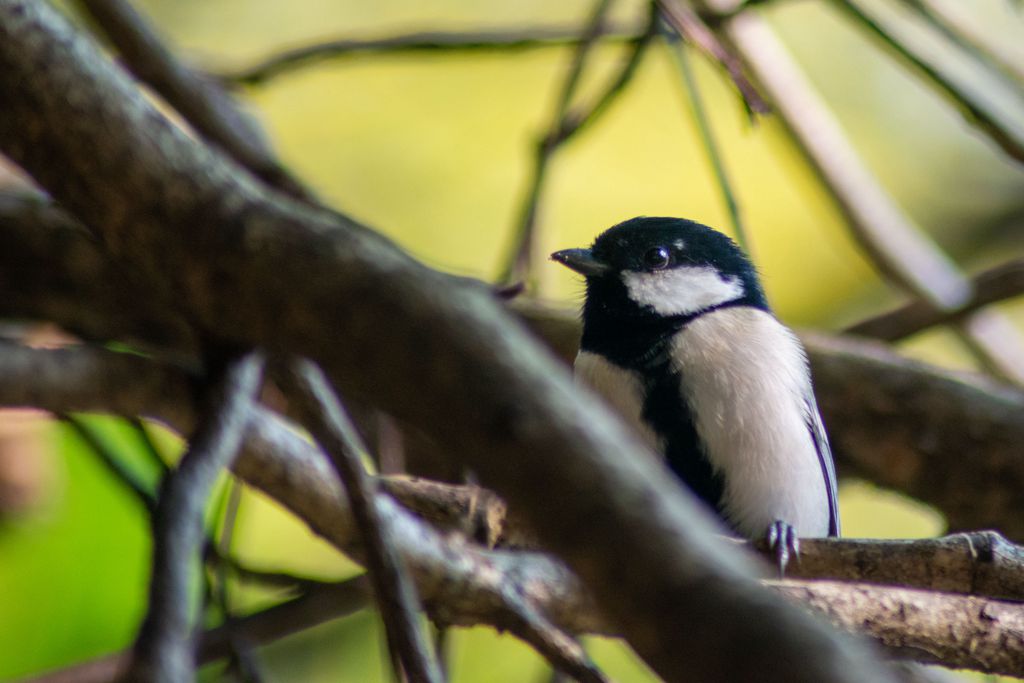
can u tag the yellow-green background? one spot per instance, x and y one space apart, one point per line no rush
435 151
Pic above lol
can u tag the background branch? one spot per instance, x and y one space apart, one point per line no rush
897 247
1002 126
687 22
992 286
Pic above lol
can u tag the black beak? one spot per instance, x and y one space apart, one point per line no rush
582 261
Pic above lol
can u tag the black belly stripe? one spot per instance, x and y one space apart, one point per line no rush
644 348
666 410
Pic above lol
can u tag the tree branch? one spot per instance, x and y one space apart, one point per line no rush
1002 126
199 98
687 22
52 268
318 604
251 267
509 40
336 435
164 652
955 631
1000 283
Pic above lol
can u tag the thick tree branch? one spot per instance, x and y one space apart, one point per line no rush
251 267
51 268
200 99
948 439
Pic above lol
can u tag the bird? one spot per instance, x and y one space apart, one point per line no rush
678 337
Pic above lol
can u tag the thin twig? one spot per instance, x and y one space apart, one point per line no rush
200 99
559 647
337 436
505 40
241 659
319 603
211 554
517 264
962 92
106 455
1000 283
707 136
484 40
566 124
687 22
148 444
164 651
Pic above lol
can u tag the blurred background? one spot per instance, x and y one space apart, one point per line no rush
437 151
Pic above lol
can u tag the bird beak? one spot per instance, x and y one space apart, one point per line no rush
582 261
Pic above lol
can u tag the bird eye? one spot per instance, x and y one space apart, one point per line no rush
657 258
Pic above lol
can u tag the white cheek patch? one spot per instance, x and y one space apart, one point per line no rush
682 290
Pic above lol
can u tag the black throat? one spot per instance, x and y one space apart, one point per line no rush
639 343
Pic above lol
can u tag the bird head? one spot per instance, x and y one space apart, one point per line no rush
658 268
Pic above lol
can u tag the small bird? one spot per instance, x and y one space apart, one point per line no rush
679 338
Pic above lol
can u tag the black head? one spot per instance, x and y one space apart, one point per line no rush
659 270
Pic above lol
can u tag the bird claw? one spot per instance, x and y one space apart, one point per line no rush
783 543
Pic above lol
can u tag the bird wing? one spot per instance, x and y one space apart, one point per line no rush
828 468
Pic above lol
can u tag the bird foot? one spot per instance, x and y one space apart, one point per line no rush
783 544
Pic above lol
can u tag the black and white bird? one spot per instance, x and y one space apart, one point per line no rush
679 338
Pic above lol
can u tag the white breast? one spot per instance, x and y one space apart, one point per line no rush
746 379
621 388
